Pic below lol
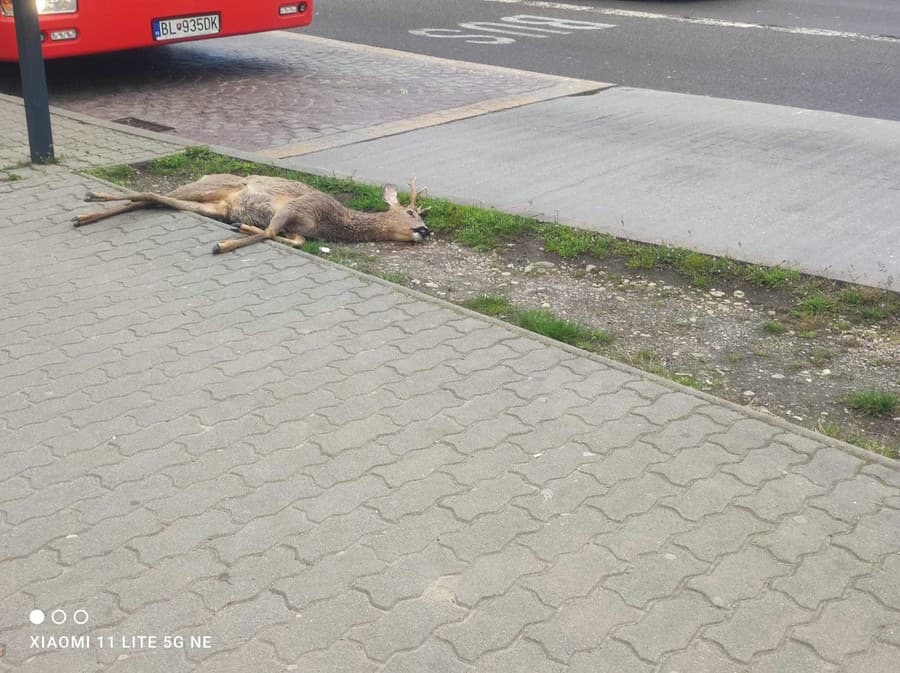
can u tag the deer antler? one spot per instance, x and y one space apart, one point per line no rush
414 194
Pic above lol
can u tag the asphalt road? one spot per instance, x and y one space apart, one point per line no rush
834 55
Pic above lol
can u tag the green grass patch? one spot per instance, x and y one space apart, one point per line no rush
836 431
122 174
815 303
775 327
874 402
540 322
479 228
494 305
771 276
544 322
396 278
567 242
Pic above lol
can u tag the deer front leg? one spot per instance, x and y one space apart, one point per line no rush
279 221
292 239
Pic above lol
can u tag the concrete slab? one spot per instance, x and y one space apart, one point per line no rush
815 191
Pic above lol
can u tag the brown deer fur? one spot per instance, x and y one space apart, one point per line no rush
283 208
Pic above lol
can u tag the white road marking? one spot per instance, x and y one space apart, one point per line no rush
523 25
631 14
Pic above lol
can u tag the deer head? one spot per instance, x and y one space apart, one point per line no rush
405 222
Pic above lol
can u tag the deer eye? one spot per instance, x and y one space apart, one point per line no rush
411 213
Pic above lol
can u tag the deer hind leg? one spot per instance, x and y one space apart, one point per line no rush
139 200
90 218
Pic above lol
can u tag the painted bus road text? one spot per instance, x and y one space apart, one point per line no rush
520 25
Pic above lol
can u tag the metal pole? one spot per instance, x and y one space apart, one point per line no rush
34 81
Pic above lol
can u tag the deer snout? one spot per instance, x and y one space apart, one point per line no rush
420 233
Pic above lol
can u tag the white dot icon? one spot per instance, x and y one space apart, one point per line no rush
36 617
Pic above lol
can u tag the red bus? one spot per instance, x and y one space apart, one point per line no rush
76 27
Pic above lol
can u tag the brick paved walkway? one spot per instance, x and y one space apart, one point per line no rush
317 472
310 89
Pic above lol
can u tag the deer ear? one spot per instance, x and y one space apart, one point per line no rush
389 194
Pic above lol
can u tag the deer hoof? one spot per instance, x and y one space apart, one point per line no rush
91 197
217 250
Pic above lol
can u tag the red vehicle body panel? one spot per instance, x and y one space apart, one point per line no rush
112 25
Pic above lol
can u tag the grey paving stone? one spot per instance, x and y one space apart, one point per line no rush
739 576
633 497
720 533
487 496
582 624
767 463
874 535
758 625
845 627
491 575
792 657
260 534
20 572
410 576
851 499
415 465
183 535
779 497
701 656
342 498
350 465
669 407
522 657
254 656
707 496
329 577
625 463
682 434
107 535
165 580
822 576
884 583
489 533
554 462
613 657
495 624
343 657
882 658
240 622
407 625
332 535
573 575
413 533
643 533
432 656
669 625
273 496
693 463
801 534
414 497
654 575
559 496
320 626
829 465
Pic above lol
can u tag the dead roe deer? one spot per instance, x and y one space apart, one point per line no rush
277 208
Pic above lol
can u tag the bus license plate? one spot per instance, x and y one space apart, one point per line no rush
186 26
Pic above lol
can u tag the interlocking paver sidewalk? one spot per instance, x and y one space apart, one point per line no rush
307 470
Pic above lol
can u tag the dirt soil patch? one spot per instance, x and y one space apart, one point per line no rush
734 340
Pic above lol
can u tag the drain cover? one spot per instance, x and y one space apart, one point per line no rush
143 124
